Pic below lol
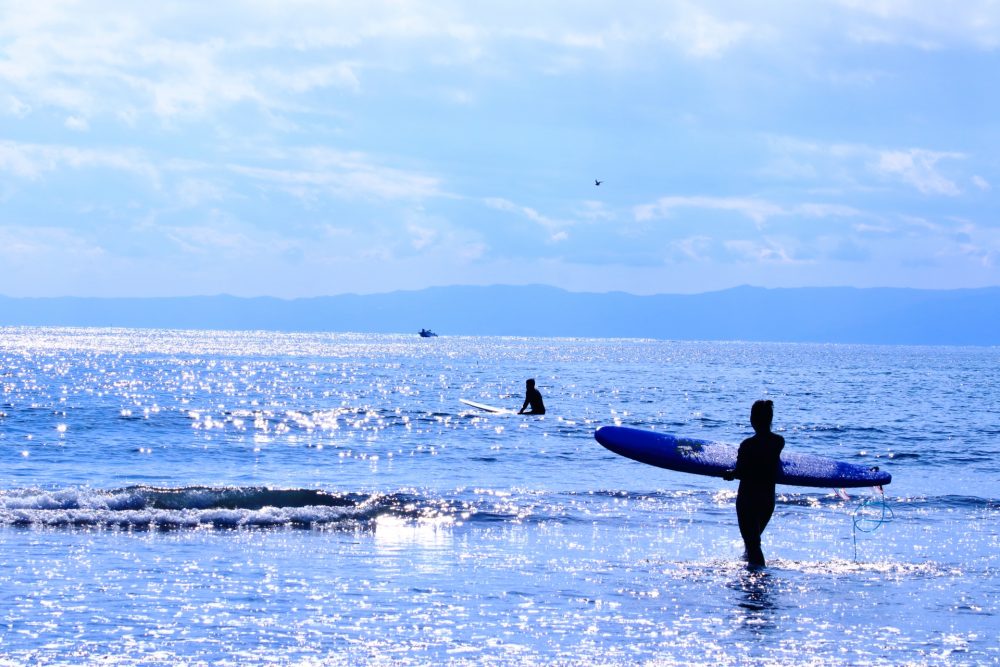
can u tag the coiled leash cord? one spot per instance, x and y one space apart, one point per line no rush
870 513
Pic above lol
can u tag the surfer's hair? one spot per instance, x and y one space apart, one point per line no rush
761 415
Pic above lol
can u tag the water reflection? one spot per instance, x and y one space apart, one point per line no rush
756 603
397 534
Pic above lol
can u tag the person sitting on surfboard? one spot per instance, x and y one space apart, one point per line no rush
757 465
533 398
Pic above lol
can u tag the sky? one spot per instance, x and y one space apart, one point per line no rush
299 148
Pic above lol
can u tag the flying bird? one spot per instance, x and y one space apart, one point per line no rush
597 182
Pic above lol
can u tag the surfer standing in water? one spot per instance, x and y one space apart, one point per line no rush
532 398
757 465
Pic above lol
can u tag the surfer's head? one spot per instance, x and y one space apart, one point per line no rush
530 383
761 415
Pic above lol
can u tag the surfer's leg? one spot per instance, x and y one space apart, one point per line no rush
749 520
766 508
752 513
763 508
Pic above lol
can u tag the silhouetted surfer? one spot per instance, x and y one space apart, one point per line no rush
533 398
757 465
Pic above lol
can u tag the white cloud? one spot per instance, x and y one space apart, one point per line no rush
854 164
138 59
473 251
463 98
13 106
77 124
32 160
22 244
695 248
925 25
827 211
421 237
345 174
184 59
221 234
760 211
920 223
767 251
868 228
406 102
211 240
867 34
309 78
595 211
188 60
702 35
193 192
501 204
555 228
757 210
917 168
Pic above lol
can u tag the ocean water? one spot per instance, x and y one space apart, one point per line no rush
235 498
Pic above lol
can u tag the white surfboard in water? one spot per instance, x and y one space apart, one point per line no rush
488 408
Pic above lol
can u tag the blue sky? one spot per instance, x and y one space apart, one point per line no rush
296 148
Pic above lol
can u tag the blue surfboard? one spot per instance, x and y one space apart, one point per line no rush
715 459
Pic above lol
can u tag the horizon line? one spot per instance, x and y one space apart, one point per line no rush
507 286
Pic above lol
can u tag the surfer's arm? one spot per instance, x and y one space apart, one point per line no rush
737 471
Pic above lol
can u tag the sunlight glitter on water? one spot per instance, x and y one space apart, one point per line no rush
232 497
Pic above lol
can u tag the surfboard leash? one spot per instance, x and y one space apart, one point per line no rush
871 513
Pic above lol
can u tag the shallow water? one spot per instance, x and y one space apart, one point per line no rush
249 497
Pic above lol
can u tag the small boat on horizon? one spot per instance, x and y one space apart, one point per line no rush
427 333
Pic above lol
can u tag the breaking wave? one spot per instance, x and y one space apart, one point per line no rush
145 507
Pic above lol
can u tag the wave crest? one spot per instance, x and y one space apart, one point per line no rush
145 507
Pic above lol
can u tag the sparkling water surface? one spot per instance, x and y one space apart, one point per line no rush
173 497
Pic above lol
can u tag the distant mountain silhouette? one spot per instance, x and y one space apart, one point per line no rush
809 314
